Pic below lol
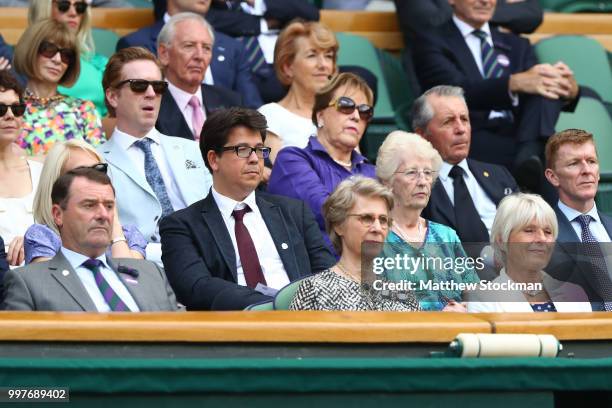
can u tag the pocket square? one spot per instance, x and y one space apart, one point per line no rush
190 164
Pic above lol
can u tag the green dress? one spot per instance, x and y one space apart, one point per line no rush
89 84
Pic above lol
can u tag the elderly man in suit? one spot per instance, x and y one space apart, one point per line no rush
185 48
155 173
467 192
229 67
514 101
81 277
238 246
573 169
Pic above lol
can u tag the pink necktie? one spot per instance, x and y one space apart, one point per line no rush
197 117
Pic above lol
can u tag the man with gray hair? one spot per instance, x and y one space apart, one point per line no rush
184 46
467 192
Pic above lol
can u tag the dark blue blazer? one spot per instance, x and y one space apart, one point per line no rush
4 267
495 180
171 121
569 262
200 261
229 64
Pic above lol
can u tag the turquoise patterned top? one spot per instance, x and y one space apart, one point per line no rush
441 261
89 84
60 118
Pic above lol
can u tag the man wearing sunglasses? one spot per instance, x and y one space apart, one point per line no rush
229 66
155 173
238 246
185 48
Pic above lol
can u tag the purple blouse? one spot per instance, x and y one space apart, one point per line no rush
310 174
42 241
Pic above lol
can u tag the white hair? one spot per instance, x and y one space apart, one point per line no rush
167 32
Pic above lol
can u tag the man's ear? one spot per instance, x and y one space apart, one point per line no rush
111 96
420 132
212 158
58 215
163 55
552 177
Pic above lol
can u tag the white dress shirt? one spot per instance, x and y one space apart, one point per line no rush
87 278
484 205
267 38
271 263
182 99
596 226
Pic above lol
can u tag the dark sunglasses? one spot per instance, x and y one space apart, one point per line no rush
244 152
18 109
346 105
64 5
101 167
48 49
141 85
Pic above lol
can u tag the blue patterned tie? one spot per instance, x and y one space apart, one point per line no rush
110 296
255 55
154 177
600 270
490 66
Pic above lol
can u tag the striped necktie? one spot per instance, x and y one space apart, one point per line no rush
255 56
110 296
491 67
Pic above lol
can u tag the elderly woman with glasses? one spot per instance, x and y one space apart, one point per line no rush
342 110
408 165
76 15
357 217
48 56
42 240
18 176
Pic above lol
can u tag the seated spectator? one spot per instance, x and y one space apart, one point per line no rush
18 176
523 238
238 246
304 60
514 101
48 55
80 277
341 112
77 17
4 267
356 213
156 174
42 240
184 46
408 165
229 66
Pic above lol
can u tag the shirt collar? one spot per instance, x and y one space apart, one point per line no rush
316 146
446 168
181 97
76 259
125 141
467 29
571 213
227 205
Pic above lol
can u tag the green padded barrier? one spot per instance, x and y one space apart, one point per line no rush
357 50
401 94
285 296
141 3
263 306
574 6
105 41
585 56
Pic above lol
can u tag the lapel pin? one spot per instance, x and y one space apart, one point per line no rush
284 245
65 272
507 191
221 58
485 173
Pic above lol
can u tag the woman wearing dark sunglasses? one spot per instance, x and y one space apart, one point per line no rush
48 56
342 110
76 15
42 240
18 177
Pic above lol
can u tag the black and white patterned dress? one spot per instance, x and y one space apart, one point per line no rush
328 290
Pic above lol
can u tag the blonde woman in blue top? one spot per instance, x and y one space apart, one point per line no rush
408 164
76 15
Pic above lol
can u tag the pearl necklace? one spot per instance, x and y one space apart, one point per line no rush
407 237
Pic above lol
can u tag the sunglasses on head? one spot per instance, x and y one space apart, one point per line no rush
141 85
18 109
64 5
48 50
346 105
101 167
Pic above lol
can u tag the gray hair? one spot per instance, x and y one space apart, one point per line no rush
422 112
516 211
167 32
396 146
337 206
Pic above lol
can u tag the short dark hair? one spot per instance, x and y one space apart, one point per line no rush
61 188
220 123
8 82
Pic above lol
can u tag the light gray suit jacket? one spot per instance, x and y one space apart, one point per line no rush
136 201
55 286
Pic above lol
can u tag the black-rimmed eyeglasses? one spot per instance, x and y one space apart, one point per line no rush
244 152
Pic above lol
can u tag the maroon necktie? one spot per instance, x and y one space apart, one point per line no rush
246 249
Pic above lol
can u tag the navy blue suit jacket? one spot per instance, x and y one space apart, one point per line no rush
229 64
171 121
570 263
200 261
495 180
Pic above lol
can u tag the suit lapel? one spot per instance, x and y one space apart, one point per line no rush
441 204
484 176
155 30
171 118
607 223
463 55
501 47
60 269
566 231
121 162
139 296
214 220
277 227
